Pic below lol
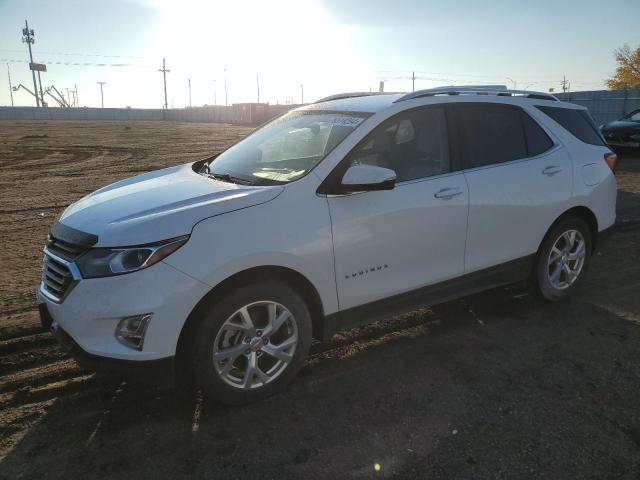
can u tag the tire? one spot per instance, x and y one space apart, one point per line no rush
224 331
550 284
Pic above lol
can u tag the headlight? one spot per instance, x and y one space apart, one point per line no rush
106 262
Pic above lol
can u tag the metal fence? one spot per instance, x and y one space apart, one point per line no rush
605 105
207 114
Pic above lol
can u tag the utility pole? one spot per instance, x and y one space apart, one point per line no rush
27 37
413 81
258 86
189 92
164 75
41 94
10 90
101 95
75 92
564 84
226 100
215 93
301 94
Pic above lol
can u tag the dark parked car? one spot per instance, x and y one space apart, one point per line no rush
623 133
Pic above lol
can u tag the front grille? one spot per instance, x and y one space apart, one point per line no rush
57 279
66 250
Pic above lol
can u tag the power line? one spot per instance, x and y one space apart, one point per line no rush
81 64
76 54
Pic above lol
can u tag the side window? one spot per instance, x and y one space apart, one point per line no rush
414 144
577 122
537 140
490 133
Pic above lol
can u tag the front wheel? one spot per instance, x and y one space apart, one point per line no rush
251 343
562 259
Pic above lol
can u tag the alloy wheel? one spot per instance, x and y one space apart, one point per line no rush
255 345
566 259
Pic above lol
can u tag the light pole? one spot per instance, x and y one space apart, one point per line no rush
28 39
258 86
101 94
226 99
512 81
301 94
10 89
189 92
215 93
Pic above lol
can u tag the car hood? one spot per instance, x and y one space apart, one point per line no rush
159 205
621 125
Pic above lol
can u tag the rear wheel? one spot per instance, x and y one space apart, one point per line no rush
252 343
563 257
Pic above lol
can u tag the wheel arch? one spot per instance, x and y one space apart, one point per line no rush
583 213
290 277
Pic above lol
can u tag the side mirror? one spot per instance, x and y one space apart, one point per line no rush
366 178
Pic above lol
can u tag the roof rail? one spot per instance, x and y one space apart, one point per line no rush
498 90
340 96
474 88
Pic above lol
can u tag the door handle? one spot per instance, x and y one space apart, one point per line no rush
447 193
551 170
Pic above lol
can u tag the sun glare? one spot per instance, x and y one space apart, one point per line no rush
285 43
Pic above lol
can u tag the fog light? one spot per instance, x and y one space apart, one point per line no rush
131 330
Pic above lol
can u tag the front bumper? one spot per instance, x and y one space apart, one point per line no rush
160 372
90 314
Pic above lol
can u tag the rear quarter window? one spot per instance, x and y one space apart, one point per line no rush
576 122
537 140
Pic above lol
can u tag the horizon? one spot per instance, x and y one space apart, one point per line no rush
325 45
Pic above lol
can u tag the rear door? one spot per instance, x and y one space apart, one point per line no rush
519 181
389 242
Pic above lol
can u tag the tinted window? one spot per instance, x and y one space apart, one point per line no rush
414 144
537 140
577 122
490 133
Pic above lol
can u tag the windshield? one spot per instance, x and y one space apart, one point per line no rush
633 116
285 149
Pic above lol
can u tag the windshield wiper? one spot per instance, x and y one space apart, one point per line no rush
225 177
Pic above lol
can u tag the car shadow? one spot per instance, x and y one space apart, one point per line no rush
394 394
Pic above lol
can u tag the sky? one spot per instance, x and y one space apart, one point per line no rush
327 46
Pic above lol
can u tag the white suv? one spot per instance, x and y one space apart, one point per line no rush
333 215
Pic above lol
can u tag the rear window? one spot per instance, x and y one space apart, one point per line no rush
537 140
577 122
491 133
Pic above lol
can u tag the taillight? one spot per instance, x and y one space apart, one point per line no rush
612 160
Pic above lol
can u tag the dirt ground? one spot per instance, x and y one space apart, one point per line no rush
497 385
